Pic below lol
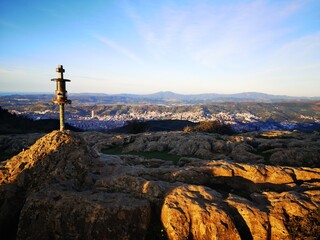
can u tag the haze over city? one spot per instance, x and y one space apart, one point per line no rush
188 47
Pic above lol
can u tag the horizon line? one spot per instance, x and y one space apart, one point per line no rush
4 93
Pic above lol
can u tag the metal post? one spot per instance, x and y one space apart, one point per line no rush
61 94
61 108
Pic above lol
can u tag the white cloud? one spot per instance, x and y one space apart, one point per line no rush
210 33
246 30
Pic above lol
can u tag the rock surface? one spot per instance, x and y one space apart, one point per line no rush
63 214
195 212
272 148
61 188
12 144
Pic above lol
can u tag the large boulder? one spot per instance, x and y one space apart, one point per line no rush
301 156
58 157
245 153
60 214
195 212
48 191
249 216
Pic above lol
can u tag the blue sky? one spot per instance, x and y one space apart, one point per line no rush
148 46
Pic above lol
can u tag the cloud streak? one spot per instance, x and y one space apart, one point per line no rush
118 48
210 33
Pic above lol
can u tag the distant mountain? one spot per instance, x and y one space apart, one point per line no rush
164 97
257 96
214 97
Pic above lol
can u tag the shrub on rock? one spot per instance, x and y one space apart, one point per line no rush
210 127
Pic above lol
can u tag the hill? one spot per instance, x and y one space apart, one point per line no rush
11 123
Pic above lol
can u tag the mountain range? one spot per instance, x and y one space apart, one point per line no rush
163 97
172 97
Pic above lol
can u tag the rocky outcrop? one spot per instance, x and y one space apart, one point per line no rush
46 162
272 148
196 212
51 185
62 184
65 214
12 144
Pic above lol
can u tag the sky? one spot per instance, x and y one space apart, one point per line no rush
146 46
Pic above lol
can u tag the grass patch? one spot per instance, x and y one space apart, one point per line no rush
147 155
158 155
112 151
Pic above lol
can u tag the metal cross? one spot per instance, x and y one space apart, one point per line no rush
60 71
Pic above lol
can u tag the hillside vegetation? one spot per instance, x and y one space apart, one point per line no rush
11 123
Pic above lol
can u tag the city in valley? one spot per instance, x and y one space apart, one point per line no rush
105 112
